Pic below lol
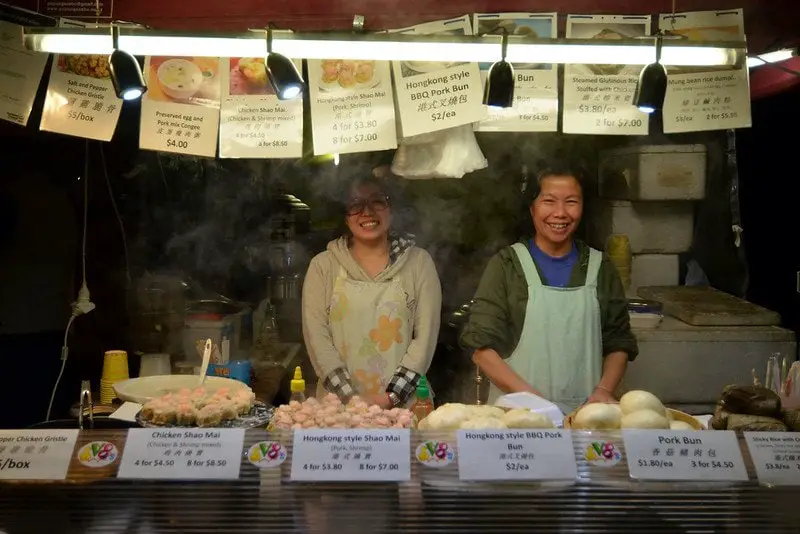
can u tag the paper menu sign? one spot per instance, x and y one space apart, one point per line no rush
36 454
253 122
776 456
706 98
180 110
352 108
333 455
434 96
20 74
182 454
598 99
683 455
536 89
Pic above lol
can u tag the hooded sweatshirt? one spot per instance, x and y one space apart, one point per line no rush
420 281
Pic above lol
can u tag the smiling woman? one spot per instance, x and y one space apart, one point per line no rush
371 305
550 315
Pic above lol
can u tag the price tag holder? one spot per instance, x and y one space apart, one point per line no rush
683 455
36 454
516 455
351 455
776 456
182 454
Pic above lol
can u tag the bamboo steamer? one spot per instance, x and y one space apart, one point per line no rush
674 415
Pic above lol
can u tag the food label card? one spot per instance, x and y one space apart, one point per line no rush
180 111
536 88
598 99
36 454
434 96
182 454
776 456
706 98
253 122
20 75
516 455
683 455
351 455
352 107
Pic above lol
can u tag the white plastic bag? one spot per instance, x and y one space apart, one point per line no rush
449 153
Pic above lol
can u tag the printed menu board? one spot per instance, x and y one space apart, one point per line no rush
434 96
536 85
180 111
352 107
598 99
20 74
706 98
253 122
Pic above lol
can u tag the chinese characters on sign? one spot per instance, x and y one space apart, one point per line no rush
351 456
776 456
598 99
36 454
180 454
352 107
516 455
683 455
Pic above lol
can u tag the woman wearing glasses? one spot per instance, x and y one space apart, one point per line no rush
371 305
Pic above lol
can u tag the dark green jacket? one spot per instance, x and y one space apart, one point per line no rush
498 313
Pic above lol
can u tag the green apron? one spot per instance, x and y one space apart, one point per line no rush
560 351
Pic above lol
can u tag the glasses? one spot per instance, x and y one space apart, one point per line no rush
377 202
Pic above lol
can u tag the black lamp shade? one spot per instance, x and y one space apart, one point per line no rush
284 77
499 88
126 75
651 89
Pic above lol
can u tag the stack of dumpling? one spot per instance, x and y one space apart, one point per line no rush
456 416
636 409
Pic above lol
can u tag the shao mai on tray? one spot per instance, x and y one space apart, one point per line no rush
198 407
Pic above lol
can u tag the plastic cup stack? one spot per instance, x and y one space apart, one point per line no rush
115 369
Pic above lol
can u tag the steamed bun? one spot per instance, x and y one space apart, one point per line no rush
635 401
487 411
448 417
483 423
598 416
519 418
645 419
680 425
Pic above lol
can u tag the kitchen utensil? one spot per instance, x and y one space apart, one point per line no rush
141 390
206 360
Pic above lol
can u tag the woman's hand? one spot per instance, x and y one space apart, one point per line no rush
381 399
601 395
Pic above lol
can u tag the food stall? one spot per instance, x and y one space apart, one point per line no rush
226 449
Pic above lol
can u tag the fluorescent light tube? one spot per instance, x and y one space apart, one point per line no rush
771 57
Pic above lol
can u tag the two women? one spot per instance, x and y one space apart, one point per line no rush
371 305
550 315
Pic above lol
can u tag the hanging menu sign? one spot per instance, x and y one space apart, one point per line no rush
20 74
80 97
352 108
706 98
180 111
36 454
598 99
434 96
253 122
536 87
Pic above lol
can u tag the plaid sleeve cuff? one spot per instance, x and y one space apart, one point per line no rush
403 384
339 382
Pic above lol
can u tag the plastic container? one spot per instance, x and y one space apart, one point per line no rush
651 227
653 172
423 404
198 328
298 386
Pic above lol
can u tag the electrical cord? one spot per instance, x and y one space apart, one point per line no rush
119 217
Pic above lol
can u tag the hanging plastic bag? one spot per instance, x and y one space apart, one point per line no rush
449 153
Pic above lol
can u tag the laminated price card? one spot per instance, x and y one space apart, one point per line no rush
776 456
182 454
516 455
351 456
683 455
36 454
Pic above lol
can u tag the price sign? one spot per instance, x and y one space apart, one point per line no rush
776 456
683 455
516 455
196 454
36 454
351 456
